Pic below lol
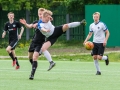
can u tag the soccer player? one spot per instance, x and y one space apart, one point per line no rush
12 27
37 41
51 32
101 35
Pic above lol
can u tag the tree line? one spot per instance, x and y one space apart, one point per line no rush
71 5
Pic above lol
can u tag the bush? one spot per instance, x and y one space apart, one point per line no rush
21 45
3 44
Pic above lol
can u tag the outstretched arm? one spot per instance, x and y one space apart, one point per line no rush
23 21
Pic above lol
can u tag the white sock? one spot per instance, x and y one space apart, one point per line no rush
73 24
47 55
96 65
104 58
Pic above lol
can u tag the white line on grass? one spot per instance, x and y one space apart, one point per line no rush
55 70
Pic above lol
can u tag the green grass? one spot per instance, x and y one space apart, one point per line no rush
57 46
114 57
65 51
19 51
66 75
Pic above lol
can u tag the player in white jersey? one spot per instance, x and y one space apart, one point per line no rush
47 26
101 35
52 33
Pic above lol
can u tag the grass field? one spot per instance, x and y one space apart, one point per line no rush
66 75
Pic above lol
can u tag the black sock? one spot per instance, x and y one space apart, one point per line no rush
31 61
34 67
16 61
51 62
11 55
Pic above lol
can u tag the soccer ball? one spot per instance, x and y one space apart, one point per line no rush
89 45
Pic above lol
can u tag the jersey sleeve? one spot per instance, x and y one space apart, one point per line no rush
35 22
6 27
39 24
19 25
104 27
90 28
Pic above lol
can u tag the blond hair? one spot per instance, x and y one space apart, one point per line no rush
41 9
96 13
10 13
50 12
46 13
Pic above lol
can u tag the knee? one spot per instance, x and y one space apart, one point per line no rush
43 49
7 49
35 57
95 57
99 58
65 27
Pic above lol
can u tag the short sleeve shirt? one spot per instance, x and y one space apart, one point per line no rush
12 29
98 30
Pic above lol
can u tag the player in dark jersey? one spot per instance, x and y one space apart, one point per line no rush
36 44
12 27
57 32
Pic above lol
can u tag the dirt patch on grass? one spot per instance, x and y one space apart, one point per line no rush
61 51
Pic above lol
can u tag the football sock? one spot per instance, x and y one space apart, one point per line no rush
97 65
104 58
51 62
34 67
47 55
11 55
73 24
16 61
31 61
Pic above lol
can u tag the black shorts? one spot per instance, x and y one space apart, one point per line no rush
13 43
57 33
98 49
35 47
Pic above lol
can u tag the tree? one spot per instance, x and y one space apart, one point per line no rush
71 5
79 5
74 5
24 4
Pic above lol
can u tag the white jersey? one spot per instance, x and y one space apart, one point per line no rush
47 26
98 31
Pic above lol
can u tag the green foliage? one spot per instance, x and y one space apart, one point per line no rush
3 44
12 4
72 5
24 44
79 5
21 45
26 4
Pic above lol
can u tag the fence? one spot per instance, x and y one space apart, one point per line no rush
60 17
